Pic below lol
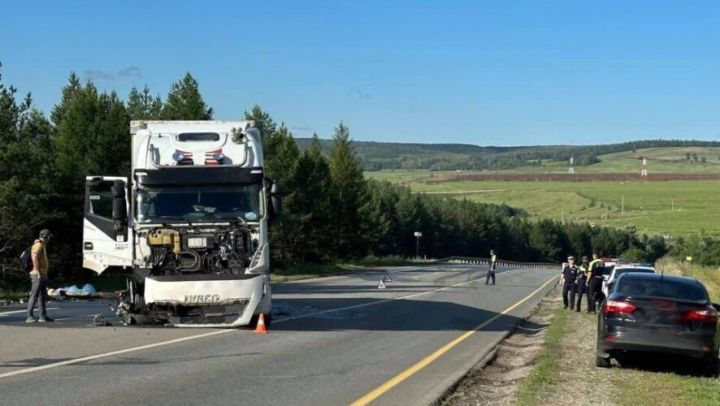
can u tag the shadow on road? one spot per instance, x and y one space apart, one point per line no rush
393 315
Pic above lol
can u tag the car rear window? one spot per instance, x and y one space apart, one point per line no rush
626 270
640 287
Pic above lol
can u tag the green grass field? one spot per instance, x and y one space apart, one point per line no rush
673 207
659 160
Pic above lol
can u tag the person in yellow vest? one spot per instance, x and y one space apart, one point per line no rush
39 278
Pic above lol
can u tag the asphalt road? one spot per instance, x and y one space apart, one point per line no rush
333 341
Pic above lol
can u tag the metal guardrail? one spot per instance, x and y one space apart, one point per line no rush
486 261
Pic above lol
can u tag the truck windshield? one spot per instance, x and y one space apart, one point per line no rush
199 204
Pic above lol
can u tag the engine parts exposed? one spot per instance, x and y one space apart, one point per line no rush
166 238
180 250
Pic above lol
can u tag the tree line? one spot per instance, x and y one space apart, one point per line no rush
331 211
388 155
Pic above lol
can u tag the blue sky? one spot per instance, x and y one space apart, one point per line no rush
487 73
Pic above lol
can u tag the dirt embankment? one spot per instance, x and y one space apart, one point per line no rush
575 177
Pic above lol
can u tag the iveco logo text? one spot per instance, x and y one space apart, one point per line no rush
202 298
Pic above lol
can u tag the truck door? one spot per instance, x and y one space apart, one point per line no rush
106 233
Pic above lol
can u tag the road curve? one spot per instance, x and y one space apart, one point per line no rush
334 341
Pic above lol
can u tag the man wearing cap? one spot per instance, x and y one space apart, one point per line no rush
570 274
39 278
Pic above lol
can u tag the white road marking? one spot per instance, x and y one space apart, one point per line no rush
23 311
109 354
219 332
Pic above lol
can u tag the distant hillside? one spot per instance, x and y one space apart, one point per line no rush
389 155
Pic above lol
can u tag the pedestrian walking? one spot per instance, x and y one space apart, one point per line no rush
595 279
39 278
582 280
491 270
570 274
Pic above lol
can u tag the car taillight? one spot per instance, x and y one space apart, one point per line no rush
614 306
708 314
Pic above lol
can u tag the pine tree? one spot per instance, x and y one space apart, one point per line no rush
380 221
347 194
143 106
25 155
282 155
184 101
310 205
263 122
68 92
92 137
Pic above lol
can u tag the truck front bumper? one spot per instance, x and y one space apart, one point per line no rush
207 301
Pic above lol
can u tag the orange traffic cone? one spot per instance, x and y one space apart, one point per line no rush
261 329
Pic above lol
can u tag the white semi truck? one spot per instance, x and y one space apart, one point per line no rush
191 228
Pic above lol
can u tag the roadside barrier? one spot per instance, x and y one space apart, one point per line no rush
500 263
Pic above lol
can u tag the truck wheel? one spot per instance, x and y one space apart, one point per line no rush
602 362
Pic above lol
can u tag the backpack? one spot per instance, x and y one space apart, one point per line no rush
26 263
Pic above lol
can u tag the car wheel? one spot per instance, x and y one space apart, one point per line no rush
602 362
712 367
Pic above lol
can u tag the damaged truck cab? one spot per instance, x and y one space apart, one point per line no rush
191 228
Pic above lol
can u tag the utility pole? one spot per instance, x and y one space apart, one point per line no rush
622 206
417 234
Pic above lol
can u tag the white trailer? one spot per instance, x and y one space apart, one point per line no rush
191 228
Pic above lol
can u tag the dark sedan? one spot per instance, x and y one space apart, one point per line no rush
658 313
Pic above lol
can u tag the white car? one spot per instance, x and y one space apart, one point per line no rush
609 280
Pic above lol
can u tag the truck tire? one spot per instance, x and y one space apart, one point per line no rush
602 362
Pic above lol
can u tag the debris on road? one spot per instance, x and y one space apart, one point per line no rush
73 291
99 321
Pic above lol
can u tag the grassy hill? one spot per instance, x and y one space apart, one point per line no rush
659 160
667 208
668 154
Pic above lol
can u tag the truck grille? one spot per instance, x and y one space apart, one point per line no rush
225 313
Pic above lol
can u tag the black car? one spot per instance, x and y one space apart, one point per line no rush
658 313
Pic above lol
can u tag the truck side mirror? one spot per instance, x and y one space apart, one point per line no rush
276 193
119 207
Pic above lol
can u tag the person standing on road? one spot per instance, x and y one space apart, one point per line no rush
39 278
582 281
570 274
491 270
595 279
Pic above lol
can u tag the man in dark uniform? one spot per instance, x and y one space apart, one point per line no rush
570 273
582 280
595 279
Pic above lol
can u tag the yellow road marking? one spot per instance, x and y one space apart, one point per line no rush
399 378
